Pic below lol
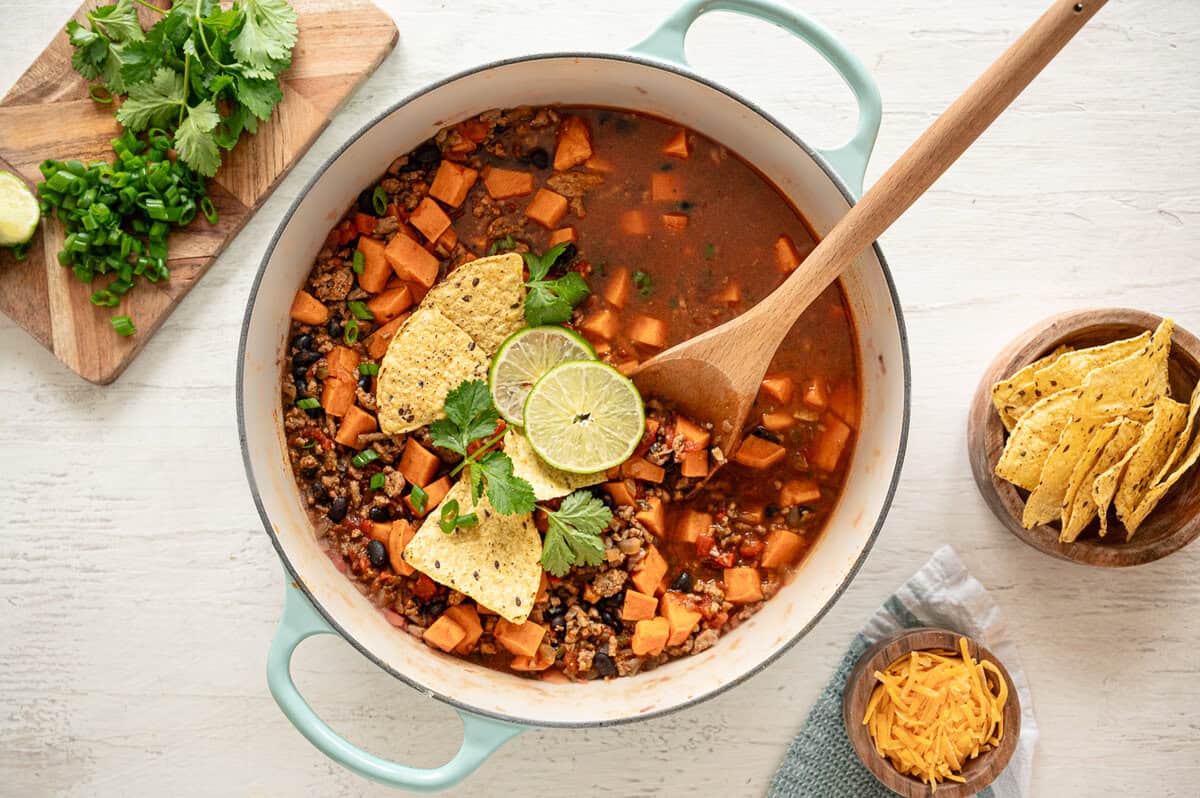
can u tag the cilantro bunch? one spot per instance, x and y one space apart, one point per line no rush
202 72
551 301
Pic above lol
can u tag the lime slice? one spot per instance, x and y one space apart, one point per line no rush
19 213
584 416
522 360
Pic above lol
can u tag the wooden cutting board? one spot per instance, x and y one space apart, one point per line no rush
48 114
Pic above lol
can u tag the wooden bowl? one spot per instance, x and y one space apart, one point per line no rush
978 772
1172 525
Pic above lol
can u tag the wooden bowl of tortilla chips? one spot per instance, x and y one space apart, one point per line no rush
1084 437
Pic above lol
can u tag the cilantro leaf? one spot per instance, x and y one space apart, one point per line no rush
139 61
153 104
91 50
543 306
194 141
470 415
571 287
551 301
118 22
257 95
267 35
509 494
573 533
539 266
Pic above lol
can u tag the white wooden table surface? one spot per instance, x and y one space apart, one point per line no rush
138 591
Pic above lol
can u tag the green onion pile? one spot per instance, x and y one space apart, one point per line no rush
116 216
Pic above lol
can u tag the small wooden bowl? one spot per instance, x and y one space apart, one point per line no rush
1172 525
978 772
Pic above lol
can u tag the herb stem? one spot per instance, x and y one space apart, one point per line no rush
151 6
187 65
482 450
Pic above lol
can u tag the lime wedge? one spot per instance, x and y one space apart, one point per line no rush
522 360
584 416
19 213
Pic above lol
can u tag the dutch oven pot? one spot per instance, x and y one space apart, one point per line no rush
652 77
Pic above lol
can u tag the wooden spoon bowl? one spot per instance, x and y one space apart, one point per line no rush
978 772
1172 525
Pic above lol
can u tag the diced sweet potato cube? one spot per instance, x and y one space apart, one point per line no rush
402 533
522 639
337 396
419 290
418 464
815 393
598 164
507 183
675 221
452 182
678 146
376 269
429 218
827 449
626 367
787 257
465 616
617 288
410 260
343 362
641 468
753 513
844 402
356 422
730 294
778 387
650 637
601 324
377 342
690 525
783 546
307 309
445 634
638 606
694 464
654 516
666 187
799 491
434 493
681 617
390 304
649 331
574 143
742 585
757 452
653 569
620 494
547 208
543 590
379 531
446 243
692 432
539 662
633 223
563 235
778 421
602 348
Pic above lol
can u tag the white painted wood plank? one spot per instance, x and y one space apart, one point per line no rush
138 592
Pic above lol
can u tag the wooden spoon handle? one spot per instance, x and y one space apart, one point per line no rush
929 156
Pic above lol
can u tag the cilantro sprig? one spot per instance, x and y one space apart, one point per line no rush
573 533
469 429
551 301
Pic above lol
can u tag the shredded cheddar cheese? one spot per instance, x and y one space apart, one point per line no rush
932 711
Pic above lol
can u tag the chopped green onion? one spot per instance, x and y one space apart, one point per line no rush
209 211
505 244
358 263
309 445
378 481
360 310
641 281
450 520
379 199
123 325
418 498
307 403
350 335
105 298
709 251
368 369
363 458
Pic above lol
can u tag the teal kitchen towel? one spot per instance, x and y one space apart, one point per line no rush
820 762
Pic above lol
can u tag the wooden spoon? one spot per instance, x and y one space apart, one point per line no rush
717 374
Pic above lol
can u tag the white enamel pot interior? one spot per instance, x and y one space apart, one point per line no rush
620 82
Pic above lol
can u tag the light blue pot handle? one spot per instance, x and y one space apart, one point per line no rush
481 736
849 160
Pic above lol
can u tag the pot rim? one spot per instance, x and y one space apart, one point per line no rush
298 580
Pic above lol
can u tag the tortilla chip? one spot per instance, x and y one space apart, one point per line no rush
497 562
1182 441
1108 445
1034 437
485 297
1020 384
1156 493
426 359
1117 389
1149 455
548 483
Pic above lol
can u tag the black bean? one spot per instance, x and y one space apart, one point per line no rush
304 341
556 617
666 167
683 582
435 608
309 472
763 432
300 374
427 154
305 358
381 514
366 201
610 617
539 157
334 328
314 412
337 510
320 495
377 554
604 665
771 510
